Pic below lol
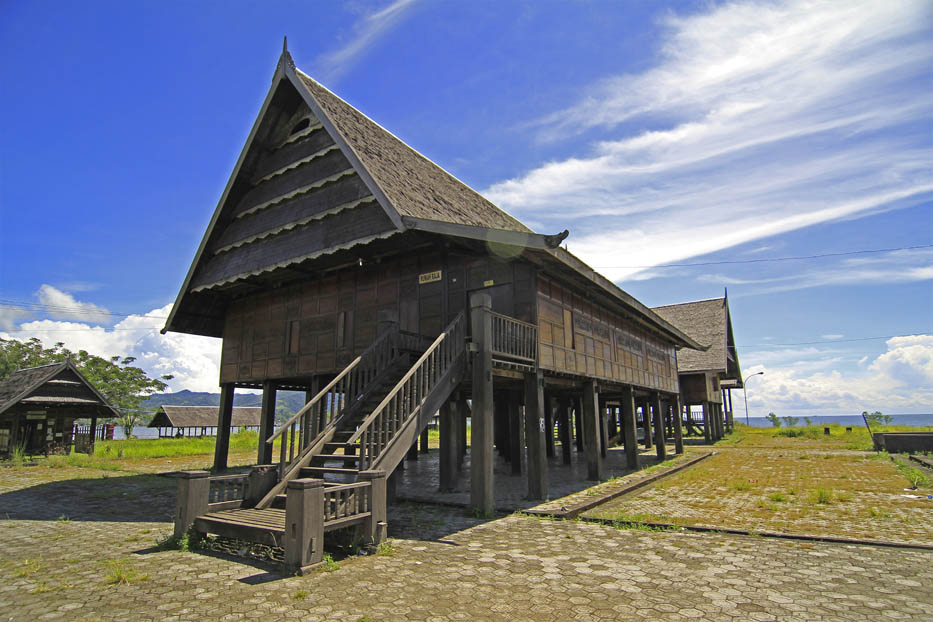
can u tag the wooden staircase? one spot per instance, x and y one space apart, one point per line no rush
345 442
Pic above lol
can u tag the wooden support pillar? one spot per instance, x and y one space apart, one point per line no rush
500 424
659 440
629 430
463 411
224 422
266 423
534 435
707 433
374 529
516 433
578 423
424 441
303 540
613 421
193 496
590 415
563 420
678 426
646 424
448 428
549 425
413 450
603 431
482 493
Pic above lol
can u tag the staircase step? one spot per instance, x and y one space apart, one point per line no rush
329 457
319 471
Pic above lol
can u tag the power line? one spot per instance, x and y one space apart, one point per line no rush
36 306
810 343
769 259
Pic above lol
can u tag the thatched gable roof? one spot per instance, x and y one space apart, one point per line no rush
708 322
267 223
169 416
55 384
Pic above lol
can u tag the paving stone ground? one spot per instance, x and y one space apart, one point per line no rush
444 565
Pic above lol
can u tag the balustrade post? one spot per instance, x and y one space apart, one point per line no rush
194 489
304 523
377 505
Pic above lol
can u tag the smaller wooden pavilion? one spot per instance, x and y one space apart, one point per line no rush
707 377
200 420
39 405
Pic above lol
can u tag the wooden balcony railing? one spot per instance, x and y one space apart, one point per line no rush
514 340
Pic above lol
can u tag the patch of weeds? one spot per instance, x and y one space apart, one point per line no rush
28 568
329 564
300 595
916 477
385 549
119 572
185 543
64 519
741 485
803 457
766 505
365 619
778 497
821 496
874 512
482 514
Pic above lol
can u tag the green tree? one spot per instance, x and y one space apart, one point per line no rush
877 418
122 384
774 419
790 421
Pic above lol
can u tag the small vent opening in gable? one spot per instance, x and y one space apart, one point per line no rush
301 125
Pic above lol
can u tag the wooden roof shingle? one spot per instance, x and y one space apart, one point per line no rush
708 322
50 385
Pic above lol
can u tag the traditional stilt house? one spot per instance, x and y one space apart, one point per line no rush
341 262
707 377
172 420
39 406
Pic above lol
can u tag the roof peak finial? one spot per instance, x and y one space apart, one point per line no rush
286 59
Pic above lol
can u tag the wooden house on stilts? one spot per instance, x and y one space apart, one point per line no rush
708 376
342 263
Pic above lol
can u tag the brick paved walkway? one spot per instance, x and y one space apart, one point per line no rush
445 566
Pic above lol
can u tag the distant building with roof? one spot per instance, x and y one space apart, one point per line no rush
707 377
39 406
200 420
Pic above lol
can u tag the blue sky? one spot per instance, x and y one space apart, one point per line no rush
659 133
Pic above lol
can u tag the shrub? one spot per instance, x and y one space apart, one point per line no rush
774 419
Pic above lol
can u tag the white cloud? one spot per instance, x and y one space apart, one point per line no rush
765 117
366 32
9 316
193 361
63 306
899 380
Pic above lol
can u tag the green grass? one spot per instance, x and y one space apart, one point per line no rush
119 572
167 447
329 564
821 496
778 497
385 549
741 485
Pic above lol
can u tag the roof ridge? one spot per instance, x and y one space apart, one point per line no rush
16 371
690 302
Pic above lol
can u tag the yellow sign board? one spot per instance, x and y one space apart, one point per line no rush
429 277
489 283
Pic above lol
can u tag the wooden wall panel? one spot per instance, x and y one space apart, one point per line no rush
580 338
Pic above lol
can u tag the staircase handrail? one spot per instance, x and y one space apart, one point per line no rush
415 394
320 417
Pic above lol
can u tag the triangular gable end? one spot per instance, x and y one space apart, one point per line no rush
294 170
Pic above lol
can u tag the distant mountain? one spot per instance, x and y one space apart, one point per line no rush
290 401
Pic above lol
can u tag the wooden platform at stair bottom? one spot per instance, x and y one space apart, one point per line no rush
262 526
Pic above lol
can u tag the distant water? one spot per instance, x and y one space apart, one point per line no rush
138 431
847 420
